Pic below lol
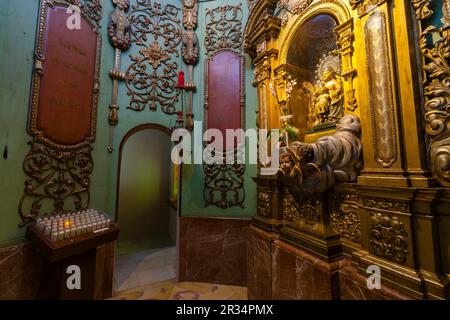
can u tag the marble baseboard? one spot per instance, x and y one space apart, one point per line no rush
353 287
298 275
213 250
259 260
104 271
21 270
280 271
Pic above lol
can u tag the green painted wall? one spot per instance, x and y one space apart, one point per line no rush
18 24
17 37
129 119
192 185
193 203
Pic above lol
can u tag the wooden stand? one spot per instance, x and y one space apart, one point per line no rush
79 251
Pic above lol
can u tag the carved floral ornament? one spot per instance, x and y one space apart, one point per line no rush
434 44
388 238
223 29
344 216
289 7
151 78
190 17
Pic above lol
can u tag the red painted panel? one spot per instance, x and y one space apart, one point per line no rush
224 91
65 107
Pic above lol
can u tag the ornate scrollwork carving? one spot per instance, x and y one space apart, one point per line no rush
291 7
119 36
384 204
223 29
290 208
190 47
55 179
313 168
58 173
436 67
151 77
118 29
364 5
264 202
93 11
309 209
262 71
388 238
344 216
190 18
224 185
422 8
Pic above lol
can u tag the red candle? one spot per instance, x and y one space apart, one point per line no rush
180 115
181 80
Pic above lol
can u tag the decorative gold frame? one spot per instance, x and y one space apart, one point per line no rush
218 42
38 73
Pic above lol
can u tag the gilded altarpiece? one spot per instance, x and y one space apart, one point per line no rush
392 208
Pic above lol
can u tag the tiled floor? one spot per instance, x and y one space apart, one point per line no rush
170 290
150 275
143 268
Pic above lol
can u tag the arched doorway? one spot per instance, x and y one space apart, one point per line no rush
146 208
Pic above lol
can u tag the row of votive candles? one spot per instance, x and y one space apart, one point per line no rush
65 226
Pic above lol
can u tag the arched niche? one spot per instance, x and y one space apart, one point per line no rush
313 41
145 188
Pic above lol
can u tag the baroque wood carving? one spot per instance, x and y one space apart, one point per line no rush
120 39
63 110
224 29
264 202
307 211
309 168
364 6
190 51
151 79
388 238
344 216
434 44
224 183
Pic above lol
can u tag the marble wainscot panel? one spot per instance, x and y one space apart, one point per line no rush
213 250
353 286
105 270
298 275
21 270
259 262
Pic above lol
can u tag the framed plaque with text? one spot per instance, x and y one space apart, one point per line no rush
65 84
63 108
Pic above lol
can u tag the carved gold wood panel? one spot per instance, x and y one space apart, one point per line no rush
434 44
